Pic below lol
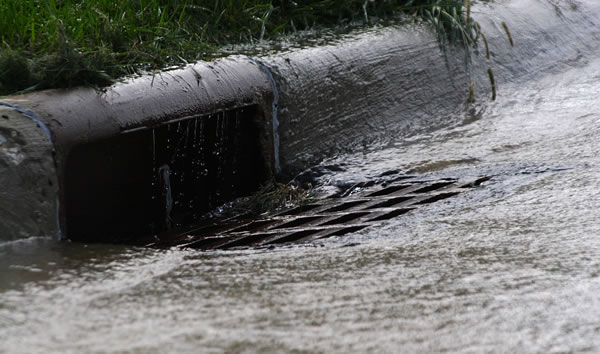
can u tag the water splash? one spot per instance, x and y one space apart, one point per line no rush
274 107
165 173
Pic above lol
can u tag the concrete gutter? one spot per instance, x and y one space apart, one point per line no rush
122 163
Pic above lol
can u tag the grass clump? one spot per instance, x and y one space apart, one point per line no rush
274 196
64 43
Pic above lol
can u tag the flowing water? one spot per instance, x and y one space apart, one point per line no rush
511 266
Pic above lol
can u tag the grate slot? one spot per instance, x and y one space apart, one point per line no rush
255 225
209 242
295 236
435 198
344 206
248 240
389 190
391 202
297 222
345 230
392 214
433 187
346 218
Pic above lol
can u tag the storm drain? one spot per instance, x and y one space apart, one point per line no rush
337 216
153 179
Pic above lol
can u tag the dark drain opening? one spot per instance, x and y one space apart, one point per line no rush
152 180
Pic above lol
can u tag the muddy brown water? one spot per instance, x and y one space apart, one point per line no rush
512 266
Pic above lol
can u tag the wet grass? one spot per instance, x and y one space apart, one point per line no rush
274 196
65 43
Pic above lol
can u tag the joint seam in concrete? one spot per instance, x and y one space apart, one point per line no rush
31 115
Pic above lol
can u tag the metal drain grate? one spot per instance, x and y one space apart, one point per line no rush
321 219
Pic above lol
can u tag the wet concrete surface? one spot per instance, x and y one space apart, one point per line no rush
509 267
29 187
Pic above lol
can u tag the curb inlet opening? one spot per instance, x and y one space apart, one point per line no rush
161 178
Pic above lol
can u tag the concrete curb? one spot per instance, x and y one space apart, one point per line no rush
121 173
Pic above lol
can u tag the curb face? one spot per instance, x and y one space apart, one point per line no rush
364 91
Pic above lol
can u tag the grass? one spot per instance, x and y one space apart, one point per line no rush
274 196
65 43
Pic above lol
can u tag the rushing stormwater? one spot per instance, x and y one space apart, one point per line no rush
512 266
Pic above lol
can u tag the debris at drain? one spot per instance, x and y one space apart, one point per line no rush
273 196
318 219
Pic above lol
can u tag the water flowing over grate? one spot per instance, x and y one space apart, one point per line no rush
335 216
